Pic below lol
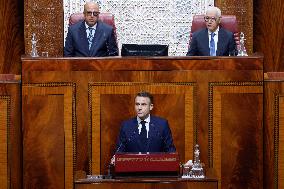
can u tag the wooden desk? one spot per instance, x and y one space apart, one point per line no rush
73 107
147 184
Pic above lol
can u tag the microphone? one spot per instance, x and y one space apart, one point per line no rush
122 143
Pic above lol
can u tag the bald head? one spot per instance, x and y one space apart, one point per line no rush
91 13
91 5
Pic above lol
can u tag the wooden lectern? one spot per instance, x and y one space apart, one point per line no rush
150 165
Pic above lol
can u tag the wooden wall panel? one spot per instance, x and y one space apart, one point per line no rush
101 83
4 135
268 33
274 134
45 19
173 101
10 134
243 9
236 153
11 36
49 132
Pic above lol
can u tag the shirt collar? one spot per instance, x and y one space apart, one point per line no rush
216 31
87 26
147 120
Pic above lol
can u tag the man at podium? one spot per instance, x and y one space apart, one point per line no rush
145 132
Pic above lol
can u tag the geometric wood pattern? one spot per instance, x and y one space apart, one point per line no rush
49 134
243 9
44 18
233 125
104 127
105 90
10 133
274 132
279 144
4 139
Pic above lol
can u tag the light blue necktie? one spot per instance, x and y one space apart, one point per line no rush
91 36
212 45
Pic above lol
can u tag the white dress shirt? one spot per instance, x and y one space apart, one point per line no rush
215 38
147 120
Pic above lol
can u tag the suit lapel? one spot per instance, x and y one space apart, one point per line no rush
134 128
205 39
96 39
84 39
221 42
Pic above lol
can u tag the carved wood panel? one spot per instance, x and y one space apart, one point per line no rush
45 19
5 106
235 133
10 134
274 130
174 101
49 131
12 44
243 9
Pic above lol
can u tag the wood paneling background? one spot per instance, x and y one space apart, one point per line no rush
48 143
269 33
243 9
45 19
274 133
267 29
11 36
10 135
106 87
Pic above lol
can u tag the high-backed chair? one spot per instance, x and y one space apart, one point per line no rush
107 18
229 22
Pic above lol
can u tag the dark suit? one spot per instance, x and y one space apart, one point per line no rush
159 137
199 45
104 43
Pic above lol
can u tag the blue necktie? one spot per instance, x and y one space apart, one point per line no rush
143 136
212 45
91 36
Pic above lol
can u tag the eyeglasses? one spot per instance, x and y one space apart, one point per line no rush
207 18
90 13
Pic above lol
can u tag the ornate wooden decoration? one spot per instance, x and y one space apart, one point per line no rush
243 9
175 101
49 135
229 104
10 133
45 19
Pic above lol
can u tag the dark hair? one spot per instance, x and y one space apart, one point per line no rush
146 94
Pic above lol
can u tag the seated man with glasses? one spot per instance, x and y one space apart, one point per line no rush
90 37
212 40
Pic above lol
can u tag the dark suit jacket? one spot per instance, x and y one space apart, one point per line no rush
104 42
159 136
199 45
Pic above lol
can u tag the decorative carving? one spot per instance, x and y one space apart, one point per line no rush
141 22
243 9
5 114
97 90
44 18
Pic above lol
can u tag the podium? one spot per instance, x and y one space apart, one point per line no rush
147 164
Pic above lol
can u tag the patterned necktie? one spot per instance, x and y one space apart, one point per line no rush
143 136
91 36
212 45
